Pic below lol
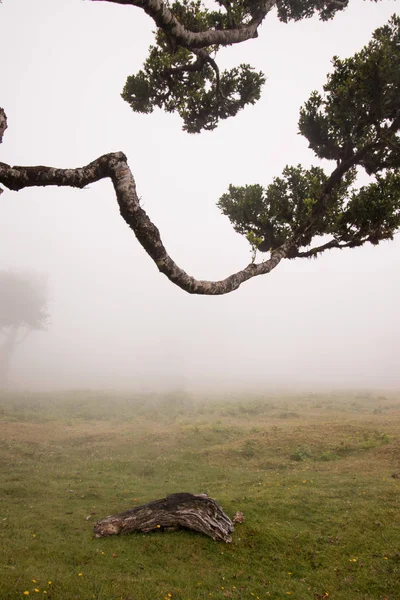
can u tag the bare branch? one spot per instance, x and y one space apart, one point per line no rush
165 20
115 166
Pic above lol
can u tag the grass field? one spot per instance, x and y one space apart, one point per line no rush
313 475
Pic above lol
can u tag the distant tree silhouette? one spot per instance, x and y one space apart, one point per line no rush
23 309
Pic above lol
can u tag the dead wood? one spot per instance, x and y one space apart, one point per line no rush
183 510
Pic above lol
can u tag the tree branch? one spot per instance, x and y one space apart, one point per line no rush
328 246
203 57
165 20
335 177
346 165
193 67
3 123
115 166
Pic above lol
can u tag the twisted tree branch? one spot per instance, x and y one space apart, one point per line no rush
115 166
165 20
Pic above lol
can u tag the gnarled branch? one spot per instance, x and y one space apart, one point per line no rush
115 166
165 20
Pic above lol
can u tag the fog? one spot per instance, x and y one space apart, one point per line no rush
116 322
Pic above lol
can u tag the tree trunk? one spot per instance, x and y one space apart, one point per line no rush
7 348
199 513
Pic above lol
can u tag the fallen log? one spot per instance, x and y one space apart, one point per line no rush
183 510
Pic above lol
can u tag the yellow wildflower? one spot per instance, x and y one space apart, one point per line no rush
26 593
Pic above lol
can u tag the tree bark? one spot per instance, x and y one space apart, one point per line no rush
199 513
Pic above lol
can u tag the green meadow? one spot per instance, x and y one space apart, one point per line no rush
317 477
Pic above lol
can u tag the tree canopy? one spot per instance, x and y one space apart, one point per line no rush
181 73
354 122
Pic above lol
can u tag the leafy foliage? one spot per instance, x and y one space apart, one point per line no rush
294 10
356 123
23 301
181 79
194 89
270 217
361 105
372 213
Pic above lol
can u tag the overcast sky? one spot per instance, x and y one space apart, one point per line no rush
115 320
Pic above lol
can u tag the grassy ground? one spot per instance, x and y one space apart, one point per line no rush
312 474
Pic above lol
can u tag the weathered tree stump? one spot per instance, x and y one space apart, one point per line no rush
188 511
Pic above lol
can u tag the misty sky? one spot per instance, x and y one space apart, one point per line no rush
115 320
